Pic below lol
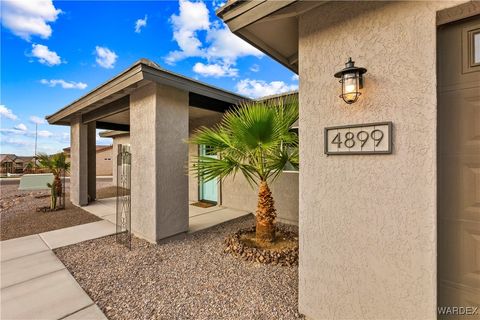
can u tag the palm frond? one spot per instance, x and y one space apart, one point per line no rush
253 138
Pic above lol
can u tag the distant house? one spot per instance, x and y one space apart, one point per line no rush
118 137
103 159
11 163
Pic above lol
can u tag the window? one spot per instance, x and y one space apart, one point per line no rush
476 48
209 151
471 49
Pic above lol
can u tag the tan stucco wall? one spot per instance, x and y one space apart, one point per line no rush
78 162
159 185
103 166
238 194
192 180
104 162
368 223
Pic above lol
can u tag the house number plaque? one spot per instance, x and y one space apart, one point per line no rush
370 138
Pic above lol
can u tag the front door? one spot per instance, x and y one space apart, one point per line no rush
208 189
459 168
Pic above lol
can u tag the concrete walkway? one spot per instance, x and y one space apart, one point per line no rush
204 218
36 285
200 218
34 282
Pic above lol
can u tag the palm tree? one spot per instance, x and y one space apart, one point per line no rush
56 164
254 138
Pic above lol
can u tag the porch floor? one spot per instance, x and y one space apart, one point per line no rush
200 218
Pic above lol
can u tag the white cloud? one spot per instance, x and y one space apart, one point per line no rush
44 134
15 142
140 23
29 18
65 137
215 70
295 77
227 46
64 84
193 17
255 68
37 120
260 88
21 127
220 47
106 58
44 55
7 113
218 4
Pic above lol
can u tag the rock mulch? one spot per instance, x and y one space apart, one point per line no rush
185 279
19 216
287 256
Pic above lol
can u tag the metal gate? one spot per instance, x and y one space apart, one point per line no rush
124 224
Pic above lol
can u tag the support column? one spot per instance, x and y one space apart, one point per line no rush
159 185
79 162
83 161
92 161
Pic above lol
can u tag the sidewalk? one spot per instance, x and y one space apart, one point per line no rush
34 282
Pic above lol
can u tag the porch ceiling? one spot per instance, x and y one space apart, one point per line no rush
118 118
198 113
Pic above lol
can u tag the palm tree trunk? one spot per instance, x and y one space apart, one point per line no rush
266 213
58 188
53 197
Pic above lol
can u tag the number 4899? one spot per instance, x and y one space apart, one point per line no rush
350 139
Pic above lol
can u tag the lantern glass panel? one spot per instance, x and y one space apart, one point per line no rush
350 87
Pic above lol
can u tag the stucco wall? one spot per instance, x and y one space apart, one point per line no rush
104 162
238 194
79 162
368 223
159 185
192 180
103 166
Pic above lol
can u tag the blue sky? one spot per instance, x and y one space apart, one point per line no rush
55 52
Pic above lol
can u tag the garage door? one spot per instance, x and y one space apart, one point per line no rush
459 168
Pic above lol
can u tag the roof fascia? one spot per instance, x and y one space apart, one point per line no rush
179 82
120 82
263 9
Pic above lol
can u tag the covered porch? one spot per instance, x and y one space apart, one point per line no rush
158 109
198 218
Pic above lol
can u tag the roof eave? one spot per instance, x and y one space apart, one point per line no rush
126 78
138 74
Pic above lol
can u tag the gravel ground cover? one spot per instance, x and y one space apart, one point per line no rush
19 218
185 279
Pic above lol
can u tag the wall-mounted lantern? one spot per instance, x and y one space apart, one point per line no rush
351 78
